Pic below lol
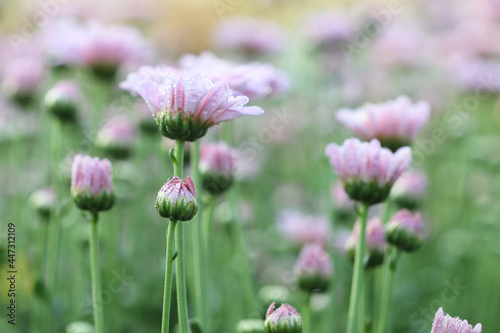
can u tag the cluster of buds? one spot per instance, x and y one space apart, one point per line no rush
313 268
376 244
405 230
284 319
176 199
217 167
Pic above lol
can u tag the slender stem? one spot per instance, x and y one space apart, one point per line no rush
167 292
362 307
199 245
306 315
389 268
357 281
95 272
208 220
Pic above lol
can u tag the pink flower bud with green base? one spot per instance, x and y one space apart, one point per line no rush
62 100
44 201
444 323
394 123
405 230
300 229
376 244
367 170
344 206
185 107
284 319
117 137
217 167
313 268
176 199
91 183
409 190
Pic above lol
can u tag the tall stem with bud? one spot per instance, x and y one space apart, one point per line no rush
95 272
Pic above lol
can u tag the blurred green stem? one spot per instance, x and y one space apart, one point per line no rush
199 246
306 314
167 292
389 268
357 280
95 273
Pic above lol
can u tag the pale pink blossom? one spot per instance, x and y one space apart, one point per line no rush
251 35
156 74
412 185
65 90
196 97
313 261
300 229
393 121
22 74
217 158
444 323
117 133
340 199
91 175
255 80
412 223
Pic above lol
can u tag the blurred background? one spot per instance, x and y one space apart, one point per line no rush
331 55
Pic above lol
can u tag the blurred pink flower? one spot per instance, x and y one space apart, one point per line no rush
22 74
376 244
367 170
117 136
217 158
63 100
394 123
340 198
408 221
313 268
300 229
200 102
156 74
410 187
255 80
329 28
251 35
405 230
444 323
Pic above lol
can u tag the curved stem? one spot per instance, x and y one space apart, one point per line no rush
357 281
389 269
167 291
95 272
199 253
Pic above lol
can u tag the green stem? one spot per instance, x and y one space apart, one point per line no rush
95 272
389 268
167 292
306 315
362 307
199 245
208 223
357 281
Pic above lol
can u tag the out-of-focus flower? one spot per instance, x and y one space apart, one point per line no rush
217 166
409 190
367 170
330 28
473 73
156 74
117 137
300 229
394 123
405 230
375 243
80 327
250 326
21 76
186 107
254 80
341 200
43 201
92 184
177 199
104 49
444 323
62 100
284 319
250 35
313 268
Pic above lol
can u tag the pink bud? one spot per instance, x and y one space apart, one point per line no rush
444 323
176 199
313 268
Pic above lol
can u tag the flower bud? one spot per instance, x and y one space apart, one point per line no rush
117 137
405 230
177 199
43 201
251 326
375 243
444 323
409 190
62 100
284 319
313 269
91 183
217 167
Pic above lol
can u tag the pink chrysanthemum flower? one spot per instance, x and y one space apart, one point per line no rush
62 100
394 123
176 199
330 28
185 107
376 244
405 230
254 80
117 137
313 268
444 323
91 183
217 166
284 319
156 74
300 229
366 169
409 190
249 35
